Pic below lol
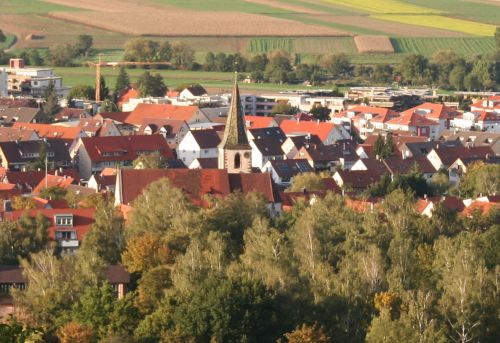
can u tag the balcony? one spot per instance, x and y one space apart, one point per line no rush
69 243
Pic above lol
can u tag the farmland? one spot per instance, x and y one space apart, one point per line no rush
427 46
373 44
305 27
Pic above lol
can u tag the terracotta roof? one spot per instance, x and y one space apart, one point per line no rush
128 94
206 139
26 181
409 118
487 116
51 131
361 206
83 218
125 148
480 207
253 182
321 129
433 111
15 134
8 190
171 125
379 114
53 181
259 122
195 183
161 111
96 127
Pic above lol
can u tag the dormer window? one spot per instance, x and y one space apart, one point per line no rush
63 219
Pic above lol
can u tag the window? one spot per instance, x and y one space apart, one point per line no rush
64 220
237 161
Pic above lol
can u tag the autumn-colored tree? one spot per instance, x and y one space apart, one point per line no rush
74 332
22 203
308 181
146 252
307 334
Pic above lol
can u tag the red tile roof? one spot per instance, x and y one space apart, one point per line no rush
195 183
119 117
125 148
259 122
410 118
82 219
160 111
53 181
433 111
49 131
128 94
358 179
321 129
15 134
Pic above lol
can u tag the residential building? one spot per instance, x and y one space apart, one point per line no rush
198 144
189 114
283 171
18 154
93 154
292 144
329 133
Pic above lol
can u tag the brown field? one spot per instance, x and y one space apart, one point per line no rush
286 7
373 44
391 28
169 23
53 31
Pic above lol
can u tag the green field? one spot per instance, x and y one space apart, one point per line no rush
428 46
173 78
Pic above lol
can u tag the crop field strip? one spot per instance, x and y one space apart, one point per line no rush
373 44
428 46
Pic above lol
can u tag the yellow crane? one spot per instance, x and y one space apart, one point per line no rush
100 64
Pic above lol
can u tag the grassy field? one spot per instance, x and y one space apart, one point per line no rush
428 46
264 45
173 78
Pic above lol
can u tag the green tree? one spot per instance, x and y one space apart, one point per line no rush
457 77
106 237
53 193
182 55
104 89
337 65
84 44
122 82
82 92
61 55
321 113
50 105
413 68
3 38
283 107
149 161
227 310
277 69
151 85
157 209
308 181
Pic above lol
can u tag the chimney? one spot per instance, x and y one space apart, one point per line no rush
304 190
317 121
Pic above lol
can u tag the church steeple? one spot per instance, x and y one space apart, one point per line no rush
234 150
235 135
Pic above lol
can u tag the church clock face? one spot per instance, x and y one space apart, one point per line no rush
247 155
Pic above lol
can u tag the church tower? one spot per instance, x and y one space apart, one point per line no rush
235 153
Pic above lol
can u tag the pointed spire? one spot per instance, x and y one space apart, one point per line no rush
235 135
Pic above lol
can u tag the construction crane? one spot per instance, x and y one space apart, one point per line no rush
100 64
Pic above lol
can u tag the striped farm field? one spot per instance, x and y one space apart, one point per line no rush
441 22
383 6
325 45
373 44
428 46
264 45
